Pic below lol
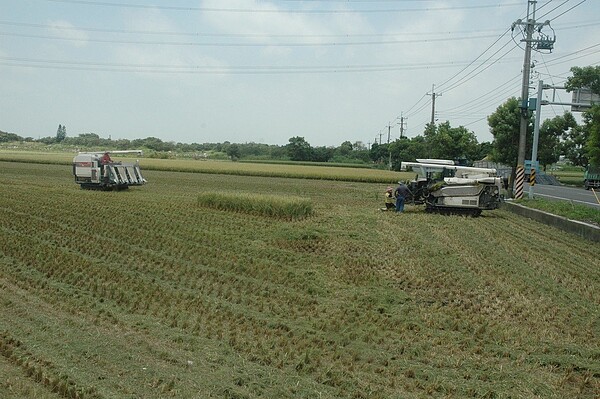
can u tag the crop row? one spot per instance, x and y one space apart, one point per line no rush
288 208
362 302
230 168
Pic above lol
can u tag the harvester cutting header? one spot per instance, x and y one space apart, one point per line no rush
448 188
98 171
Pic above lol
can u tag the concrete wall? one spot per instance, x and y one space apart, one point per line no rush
581 229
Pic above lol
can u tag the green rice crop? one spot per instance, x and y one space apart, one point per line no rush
292 208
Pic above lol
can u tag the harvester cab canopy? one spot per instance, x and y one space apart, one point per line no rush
438 169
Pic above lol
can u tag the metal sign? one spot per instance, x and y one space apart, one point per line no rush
583 99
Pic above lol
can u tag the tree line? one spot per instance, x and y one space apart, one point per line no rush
559 136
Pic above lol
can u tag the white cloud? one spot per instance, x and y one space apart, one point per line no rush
274 26
66 30
161 57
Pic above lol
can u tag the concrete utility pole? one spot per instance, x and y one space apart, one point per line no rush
402 119
433 96
389 152
543 42
536 135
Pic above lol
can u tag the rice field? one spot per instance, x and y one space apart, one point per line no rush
150 293
290 170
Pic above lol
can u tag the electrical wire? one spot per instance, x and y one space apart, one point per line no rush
555 8
564 12
295 11
494 90
157 68
224 44
269 35
440 86
237 35
472 62
470 76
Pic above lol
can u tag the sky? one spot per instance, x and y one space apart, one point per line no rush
264 71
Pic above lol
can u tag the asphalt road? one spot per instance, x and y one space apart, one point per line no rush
564 193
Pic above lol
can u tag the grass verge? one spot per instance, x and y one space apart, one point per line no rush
566 209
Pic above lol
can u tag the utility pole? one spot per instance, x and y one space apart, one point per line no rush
402 119
536 135
433 96
543 42
388 147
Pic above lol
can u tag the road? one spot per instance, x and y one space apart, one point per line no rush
574 194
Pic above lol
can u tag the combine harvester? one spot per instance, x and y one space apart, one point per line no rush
97 171
452 189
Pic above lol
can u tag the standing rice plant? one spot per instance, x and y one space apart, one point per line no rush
288 208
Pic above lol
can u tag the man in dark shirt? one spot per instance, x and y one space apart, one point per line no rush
401 193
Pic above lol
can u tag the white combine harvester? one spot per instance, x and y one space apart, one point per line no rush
448 188
98 171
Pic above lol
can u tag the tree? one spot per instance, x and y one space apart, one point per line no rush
551 131
379 153
345 148
591 119
233 152
298 149
359 146
453 143
574 146
584 77
505 127
430 129
322 154
484 150
7 137
589 77
61 133
408 150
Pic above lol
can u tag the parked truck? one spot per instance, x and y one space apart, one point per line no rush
591 177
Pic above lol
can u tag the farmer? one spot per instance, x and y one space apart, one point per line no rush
401 193
389 199
105 158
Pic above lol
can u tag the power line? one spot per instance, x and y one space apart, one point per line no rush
273 11
564 12
223 44
269 35
555 8
494 90
408 113
471 63
480 55
421 108
240 35
470 75
58 64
